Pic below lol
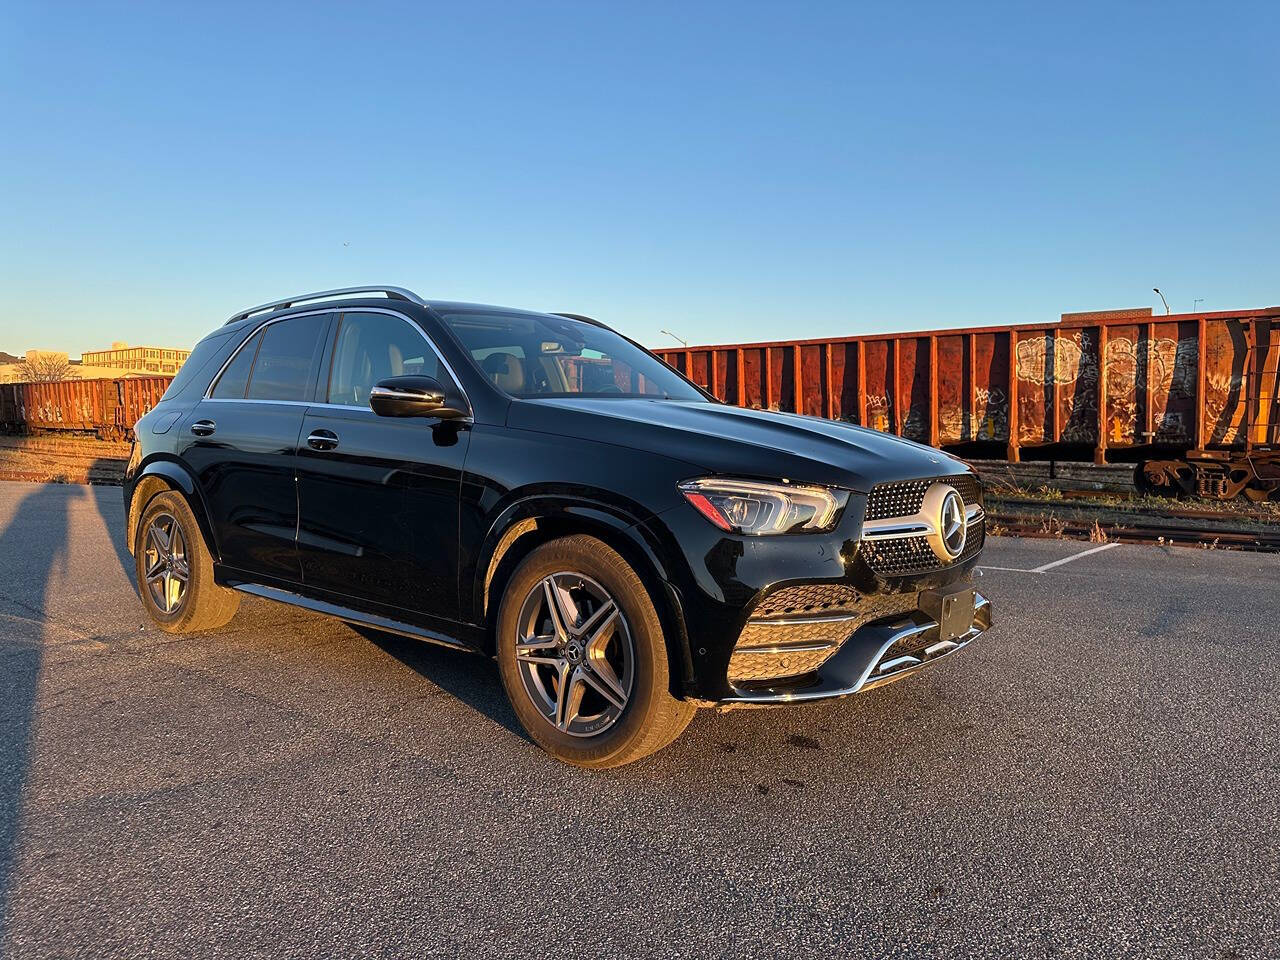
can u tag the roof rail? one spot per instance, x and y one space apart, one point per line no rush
393 293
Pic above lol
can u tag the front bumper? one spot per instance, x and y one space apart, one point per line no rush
875 654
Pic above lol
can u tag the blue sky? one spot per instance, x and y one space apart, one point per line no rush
726 171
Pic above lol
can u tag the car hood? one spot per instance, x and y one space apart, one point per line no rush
717 438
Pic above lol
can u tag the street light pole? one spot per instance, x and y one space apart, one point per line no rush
1162 300
681 340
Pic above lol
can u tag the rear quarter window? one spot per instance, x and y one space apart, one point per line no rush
199 366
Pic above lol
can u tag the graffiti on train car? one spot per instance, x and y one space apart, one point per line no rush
1061 374
108 408
1193 399
1068 367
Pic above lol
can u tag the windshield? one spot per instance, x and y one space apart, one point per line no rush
538 355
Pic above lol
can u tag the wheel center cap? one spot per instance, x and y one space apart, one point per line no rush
573 652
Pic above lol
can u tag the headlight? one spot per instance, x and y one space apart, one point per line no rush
760 509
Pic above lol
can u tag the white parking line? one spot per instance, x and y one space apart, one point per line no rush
1074 556
1055 563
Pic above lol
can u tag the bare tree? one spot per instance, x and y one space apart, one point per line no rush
47 368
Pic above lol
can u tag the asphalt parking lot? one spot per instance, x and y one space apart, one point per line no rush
1098 776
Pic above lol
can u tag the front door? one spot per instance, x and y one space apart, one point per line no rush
378 496
242 441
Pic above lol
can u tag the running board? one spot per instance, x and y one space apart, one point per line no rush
356 617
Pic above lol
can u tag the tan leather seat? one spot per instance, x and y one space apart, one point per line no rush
506 370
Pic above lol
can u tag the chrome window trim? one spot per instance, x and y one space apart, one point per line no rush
289 403
213 384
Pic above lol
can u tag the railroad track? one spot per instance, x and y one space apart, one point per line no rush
1231 512
1144 533
1134 522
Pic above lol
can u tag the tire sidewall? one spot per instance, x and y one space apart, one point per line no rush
174 505
594 559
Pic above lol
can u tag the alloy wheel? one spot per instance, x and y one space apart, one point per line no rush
168 571
575 654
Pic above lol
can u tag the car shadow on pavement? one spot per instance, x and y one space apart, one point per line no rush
32 546
469 677
110 503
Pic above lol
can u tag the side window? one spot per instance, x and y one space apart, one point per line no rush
289 352
235 379
373 346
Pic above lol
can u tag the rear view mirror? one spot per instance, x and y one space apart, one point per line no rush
412 397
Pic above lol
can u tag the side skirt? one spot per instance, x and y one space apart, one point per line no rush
351 616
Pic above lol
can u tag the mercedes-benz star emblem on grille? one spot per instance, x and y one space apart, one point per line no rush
951 525
943 509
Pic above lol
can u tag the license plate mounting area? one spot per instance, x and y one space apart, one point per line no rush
952 608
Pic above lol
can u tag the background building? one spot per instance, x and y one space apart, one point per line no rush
154 360
51 365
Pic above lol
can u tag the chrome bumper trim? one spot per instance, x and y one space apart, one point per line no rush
775 648
861 664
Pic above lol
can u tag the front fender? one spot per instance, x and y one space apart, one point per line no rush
547 517
537 511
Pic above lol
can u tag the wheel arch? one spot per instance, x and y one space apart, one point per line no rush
527 525
160 476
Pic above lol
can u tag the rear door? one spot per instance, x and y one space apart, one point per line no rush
378 496
241 440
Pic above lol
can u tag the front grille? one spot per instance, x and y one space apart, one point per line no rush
908 555
905 497
912 555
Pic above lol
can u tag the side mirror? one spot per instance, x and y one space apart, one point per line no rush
412 397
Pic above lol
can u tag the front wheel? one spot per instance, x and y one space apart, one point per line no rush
583 659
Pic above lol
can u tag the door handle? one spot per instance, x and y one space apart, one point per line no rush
322 440
203 428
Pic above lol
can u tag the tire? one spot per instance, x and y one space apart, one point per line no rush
196 603
595 692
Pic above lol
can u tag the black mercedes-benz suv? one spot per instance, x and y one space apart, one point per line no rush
538 488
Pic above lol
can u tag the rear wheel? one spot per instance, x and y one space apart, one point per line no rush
175 569
583 659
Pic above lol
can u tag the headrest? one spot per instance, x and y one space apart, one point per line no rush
506 370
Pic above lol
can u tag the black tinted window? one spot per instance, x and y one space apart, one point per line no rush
289 352
235 379
373 346
539 355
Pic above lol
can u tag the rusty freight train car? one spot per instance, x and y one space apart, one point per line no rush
108 408
1190 399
